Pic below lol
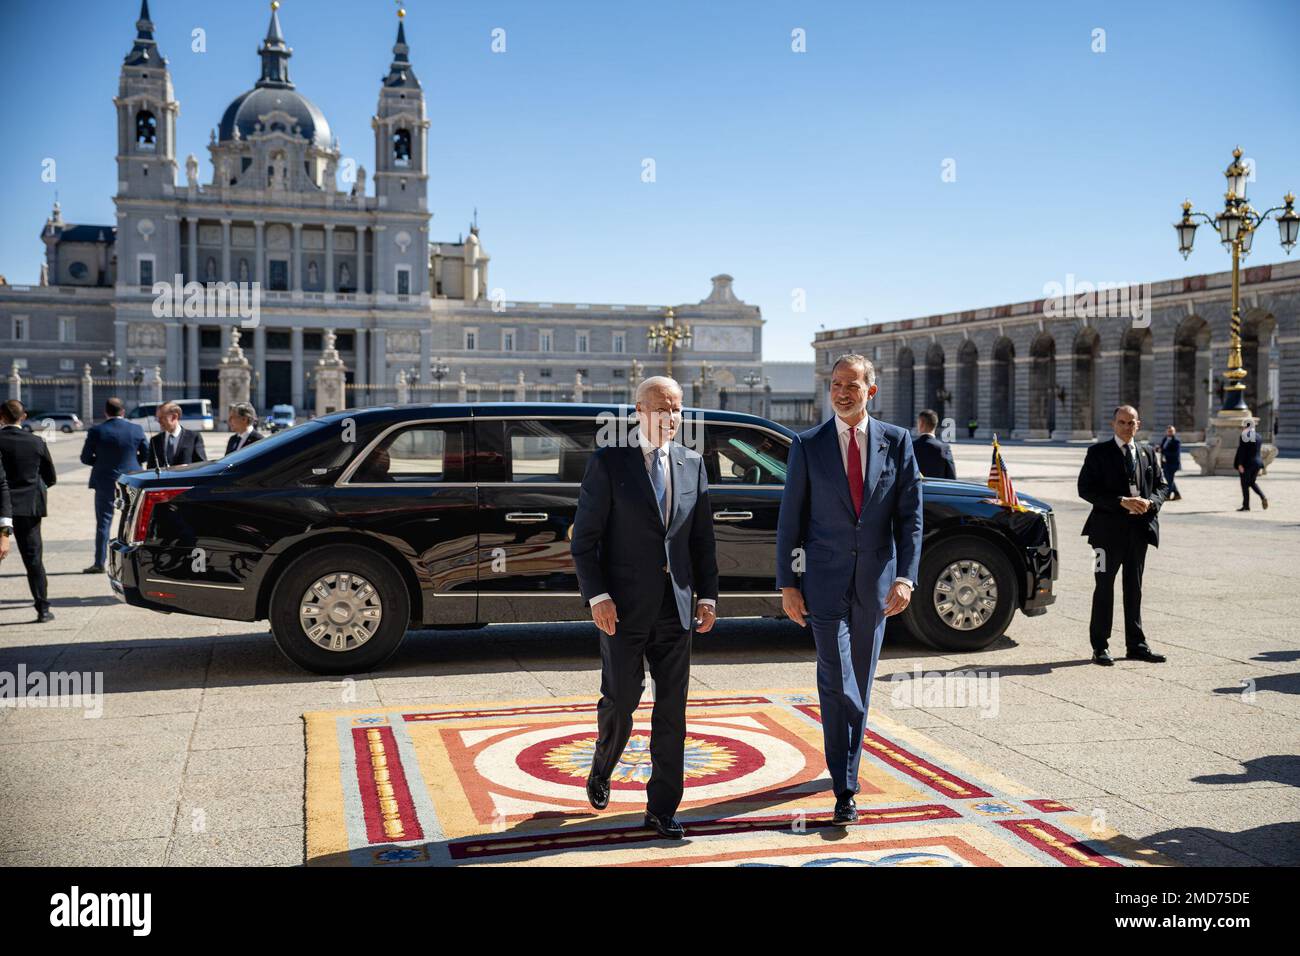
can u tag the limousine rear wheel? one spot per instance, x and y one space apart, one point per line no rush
965 595
339 610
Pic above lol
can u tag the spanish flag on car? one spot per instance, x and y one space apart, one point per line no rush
1000 481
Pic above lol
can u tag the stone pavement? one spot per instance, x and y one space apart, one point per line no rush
198 756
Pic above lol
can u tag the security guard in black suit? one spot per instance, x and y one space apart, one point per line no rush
1126 487
1248 461
30 471
241 420
933 455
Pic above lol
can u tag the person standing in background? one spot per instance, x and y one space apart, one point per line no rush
933 455
30 471
113 447
1171 460
1248 462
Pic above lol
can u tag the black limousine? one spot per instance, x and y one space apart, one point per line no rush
348 530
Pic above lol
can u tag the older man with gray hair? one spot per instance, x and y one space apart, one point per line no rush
243 431
643 550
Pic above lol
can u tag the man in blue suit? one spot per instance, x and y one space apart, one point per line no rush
642 546
848 552
1171 460
112 447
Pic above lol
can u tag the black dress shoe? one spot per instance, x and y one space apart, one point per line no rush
1244 508
598 792
43 616
1264 502
846 811
1144 653
667 827
93 569
1103 658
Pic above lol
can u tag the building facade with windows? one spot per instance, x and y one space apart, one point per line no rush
356 259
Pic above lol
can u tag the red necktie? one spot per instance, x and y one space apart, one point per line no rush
855 472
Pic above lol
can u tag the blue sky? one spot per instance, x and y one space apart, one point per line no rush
817 171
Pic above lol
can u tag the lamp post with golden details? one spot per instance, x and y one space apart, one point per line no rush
1236 226
666 336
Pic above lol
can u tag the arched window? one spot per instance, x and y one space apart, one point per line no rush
146 129
402 147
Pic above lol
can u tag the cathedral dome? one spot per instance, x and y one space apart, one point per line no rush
244 111
274 91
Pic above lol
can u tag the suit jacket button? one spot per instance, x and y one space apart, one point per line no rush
665 569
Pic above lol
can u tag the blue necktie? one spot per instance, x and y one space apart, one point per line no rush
658 481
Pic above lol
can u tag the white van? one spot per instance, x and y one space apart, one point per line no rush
196 414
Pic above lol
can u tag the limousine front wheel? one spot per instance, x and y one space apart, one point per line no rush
965 595
339 611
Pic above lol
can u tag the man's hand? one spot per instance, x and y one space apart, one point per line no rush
1241 469
707 615
792 604
900 596
4 546
1137 506
605 615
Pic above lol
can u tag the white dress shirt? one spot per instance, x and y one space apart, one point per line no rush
647 456
1132 488
842 429
243 437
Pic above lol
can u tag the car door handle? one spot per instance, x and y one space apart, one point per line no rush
527 517
733 515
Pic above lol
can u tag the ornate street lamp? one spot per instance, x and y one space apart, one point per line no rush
666 336
439 370
753 380
1236 225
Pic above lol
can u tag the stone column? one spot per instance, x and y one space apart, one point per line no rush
192 259
521 388
15 382
1021 372
259 366
361 374
87 395
259 230
403 389
295 344
225 250
984 398
155 382
174 359
462 389
329 262
361 260
379 283
1288 404
378 361
295 261
192 360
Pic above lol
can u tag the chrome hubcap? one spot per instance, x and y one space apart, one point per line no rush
340 611
965 595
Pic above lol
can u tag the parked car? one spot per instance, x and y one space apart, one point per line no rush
65 422
349 529
196 414
282 416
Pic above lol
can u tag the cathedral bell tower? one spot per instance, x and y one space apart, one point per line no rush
401 134
146 118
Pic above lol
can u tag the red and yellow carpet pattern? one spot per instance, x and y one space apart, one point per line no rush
504 784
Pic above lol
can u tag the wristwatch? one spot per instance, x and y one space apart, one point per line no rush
7 531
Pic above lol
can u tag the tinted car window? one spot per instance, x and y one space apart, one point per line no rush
550 449
741 455
419 453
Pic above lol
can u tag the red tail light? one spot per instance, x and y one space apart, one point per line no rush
144 511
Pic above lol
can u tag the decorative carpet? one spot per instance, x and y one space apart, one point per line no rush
504 784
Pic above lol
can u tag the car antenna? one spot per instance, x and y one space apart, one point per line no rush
157 471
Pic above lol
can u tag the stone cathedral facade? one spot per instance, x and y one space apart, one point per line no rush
357 259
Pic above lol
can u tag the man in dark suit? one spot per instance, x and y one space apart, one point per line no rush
848 550
1122 482
241 420
933 456
30 471
642 543
1171 460
6 515
112 448
174 445
1248 461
